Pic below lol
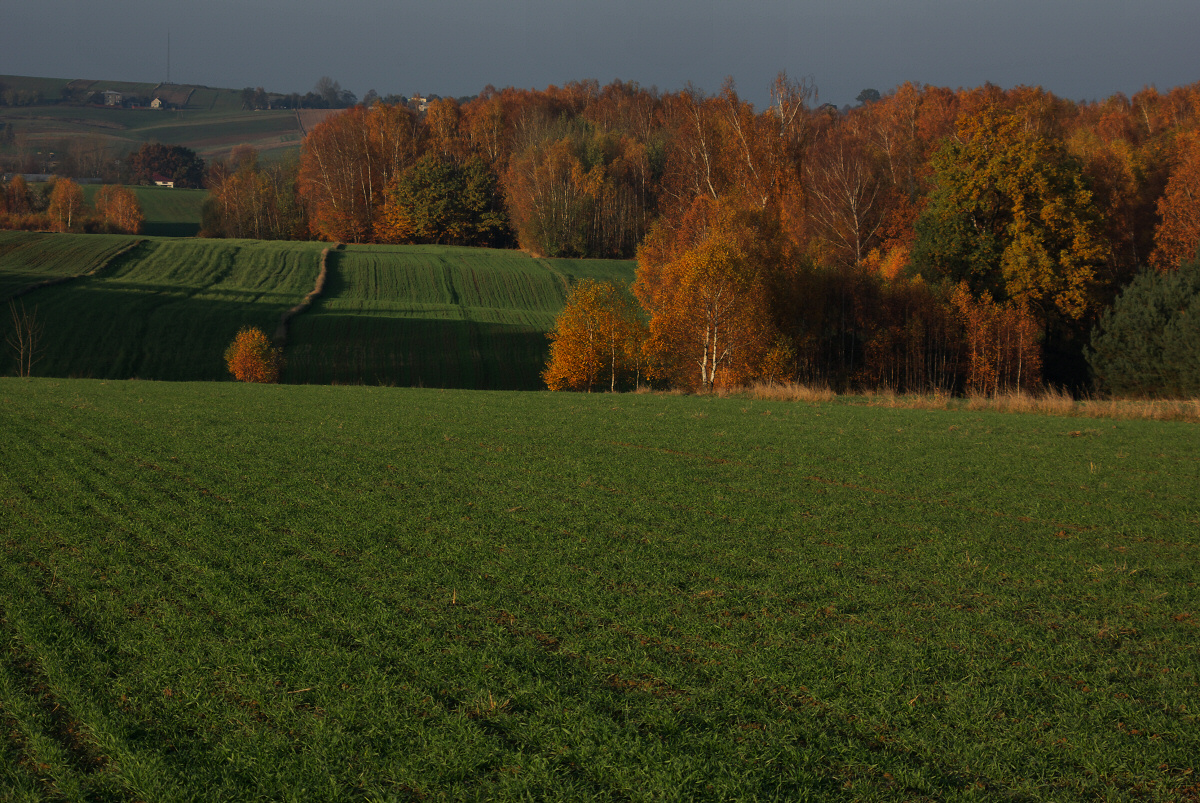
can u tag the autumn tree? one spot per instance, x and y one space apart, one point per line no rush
118 209
1010 214
846 194
708 285
18 199
1000 343
579 191
441 201
154 161
1177 238
248 199
66 203
598 333
347 163
251 357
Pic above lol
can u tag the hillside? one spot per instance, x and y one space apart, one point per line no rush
209 121
394 315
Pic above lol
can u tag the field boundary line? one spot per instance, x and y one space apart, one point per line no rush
281 331
29 288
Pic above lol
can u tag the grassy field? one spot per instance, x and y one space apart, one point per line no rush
198 97
219 591
211 132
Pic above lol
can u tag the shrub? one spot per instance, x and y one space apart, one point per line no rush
1148 343
251 357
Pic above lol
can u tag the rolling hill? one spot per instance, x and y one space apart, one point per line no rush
209 121
392 315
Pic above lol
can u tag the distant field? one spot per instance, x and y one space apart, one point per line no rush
198 97
394 315
212 125
170 307
220 591
169 212
435 316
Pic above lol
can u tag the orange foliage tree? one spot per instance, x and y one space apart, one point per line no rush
118 209
598 331
346 164
66 203
708 287
252 357
1000 341
1177 237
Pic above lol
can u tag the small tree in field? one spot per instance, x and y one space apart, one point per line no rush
251 357
25 338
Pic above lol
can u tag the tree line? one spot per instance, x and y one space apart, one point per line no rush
59 206
927 239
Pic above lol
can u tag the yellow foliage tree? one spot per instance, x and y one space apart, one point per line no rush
66 203
119 209
709 290
597 332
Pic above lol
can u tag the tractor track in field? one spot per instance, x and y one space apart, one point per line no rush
281 331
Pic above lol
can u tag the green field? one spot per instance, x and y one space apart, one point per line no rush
168 308
222 591
395 315
435 316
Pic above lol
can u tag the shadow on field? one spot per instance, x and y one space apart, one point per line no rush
165 229
111 330
420 352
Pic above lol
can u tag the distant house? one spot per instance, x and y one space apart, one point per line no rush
112 97
162 181
157 103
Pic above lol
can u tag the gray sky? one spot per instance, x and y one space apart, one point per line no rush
1078 49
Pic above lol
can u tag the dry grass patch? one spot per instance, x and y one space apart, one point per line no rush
785 391
1048 401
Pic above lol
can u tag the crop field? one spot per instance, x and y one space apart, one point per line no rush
30 258
168 308
222 591
435 316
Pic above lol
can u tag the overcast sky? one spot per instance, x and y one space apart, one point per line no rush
1078 49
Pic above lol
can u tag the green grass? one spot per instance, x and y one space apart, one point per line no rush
434 316
220 591
30 258
169 308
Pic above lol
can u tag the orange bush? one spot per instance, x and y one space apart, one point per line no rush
252 358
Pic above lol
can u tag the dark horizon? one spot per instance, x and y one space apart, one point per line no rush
458 47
